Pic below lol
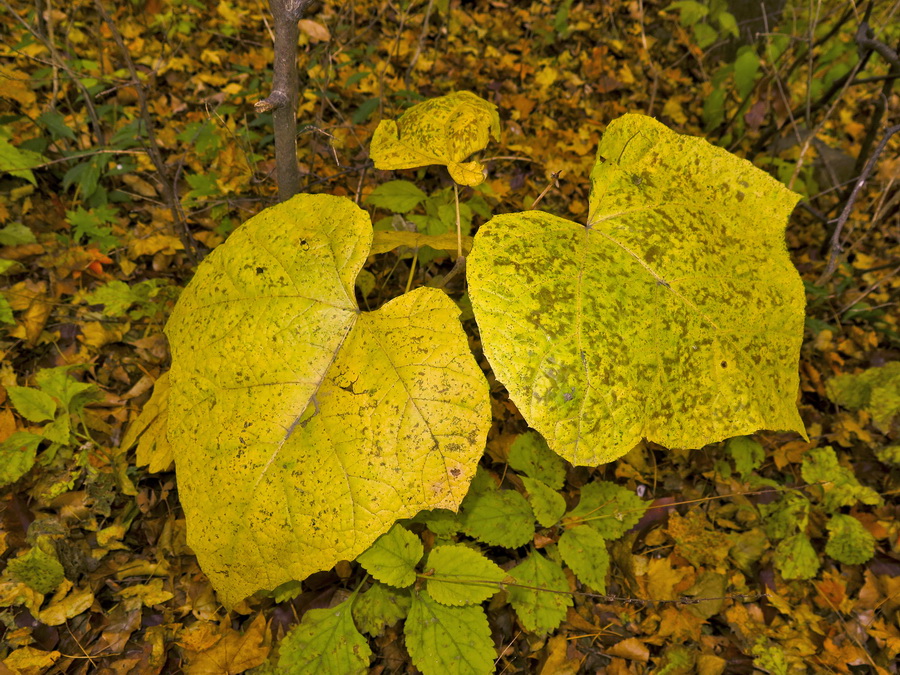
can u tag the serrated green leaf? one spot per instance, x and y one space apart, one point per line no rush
498 518
380 606
785 516
529 454
747 454
37 569
796 558
32 404
610 509
548 505
459 575
770 657
17 456
72 394
442 522
398 196
325 641
115 296
650 320
445 640
312 426
583 550
840 486
443 130
59 430
540 611
876 390
392 559
848 541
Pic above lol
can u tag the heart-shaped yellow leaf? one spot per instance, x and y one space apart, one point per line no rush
674 315
443 130
303 428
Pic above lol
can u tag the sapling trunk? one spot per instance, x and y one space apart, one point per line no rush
283 99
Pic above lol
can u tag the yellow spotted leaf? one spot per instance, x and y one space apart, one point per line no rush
443 130
674 315
302 428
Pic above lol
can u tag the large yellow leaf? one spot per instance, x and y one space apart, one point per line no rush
674 315
303 428
443 130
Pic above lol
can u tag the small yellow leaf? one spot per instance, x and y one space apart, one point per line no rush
388 240
150 594
73 604
444 130
30 661
153 449
153 244
234 653
317 32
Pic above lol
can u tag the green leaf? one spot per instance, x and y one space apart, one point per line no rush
690 11
392 559
398 196
459 575
72 394
796 558
583 549
92 225
15 234
17 455
380 606
498 518
116 297
610 509
540 611
785 516
32 404
728 23
309 427
448 640
16 161
530 454
876 390
59 430
746 69
325 641
56 124
889 455
442 522
770 657
747 454
6 313
38 570
548 505
443 130
848 541
362 114
674 315
841 488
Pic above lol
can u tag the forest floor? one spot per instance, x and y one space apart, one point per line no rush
769 554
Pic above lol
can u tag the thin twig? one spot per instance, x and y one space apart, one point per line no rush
845 214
